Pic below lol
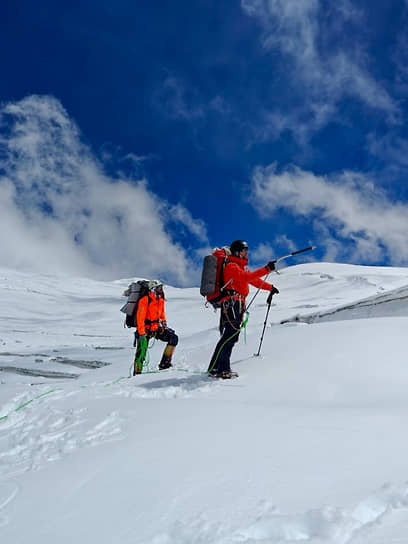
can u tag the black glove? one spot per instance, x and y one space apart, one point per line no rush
274 291
271 266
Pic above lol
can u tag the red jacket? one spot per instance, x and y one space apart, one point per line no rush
237 277
150 313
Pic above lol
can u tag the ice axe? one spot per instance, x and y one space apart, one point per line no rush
310 248
270 298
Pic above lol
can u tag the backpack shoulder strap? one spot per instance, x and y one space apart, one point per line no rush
225 261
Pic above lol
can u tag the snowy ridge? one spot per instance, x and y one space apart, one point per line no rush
393 303
308 445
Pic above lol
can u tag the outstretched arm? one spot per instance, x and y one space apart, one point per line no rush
236 272
261 284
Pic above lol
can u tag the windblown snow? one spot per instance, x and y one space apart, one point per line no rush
308 445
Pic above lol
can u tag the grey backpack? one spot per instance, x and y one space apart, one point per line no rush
134 292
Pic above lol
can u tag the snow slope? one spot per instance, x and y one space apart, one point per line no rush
307 445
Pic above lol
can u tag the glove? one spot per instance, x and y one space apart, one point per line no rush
162 327
274 291
271 266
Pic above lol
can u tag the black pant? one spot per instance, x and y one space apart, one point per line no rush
163 334
166 335
232 312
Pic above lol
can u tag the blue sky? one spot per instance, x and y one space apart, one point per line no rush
136 135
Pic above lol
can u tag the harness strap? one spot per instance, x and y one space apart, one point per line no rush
150 321
227 305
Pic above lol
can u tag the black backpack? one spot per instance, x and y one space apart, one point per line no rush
134 292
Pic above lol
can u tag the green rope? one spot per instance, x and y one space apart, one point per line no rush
24 404
143 358
146 360
243 326
114 381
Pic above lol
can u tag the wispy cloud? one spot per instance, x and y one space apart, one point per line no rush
60 211
179 101
348 9
176 98
351 216
262 253
322 66
390 148
400 56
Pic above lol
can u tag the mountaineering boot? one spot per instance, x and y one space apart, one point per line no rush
228 374
137 368
165 362
166 359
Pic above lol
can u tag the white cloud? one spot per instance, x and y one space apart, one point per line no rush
323 65
284 241
182 216
347 207
262 253
295 121
61 213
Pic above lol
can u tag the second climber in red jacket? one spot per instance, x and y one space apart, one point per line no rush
236 280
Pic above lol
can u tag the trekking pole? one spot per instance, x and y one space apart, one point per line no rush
263 330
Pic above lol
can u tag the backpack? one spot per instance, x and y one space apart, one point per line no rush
212 277
134 292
